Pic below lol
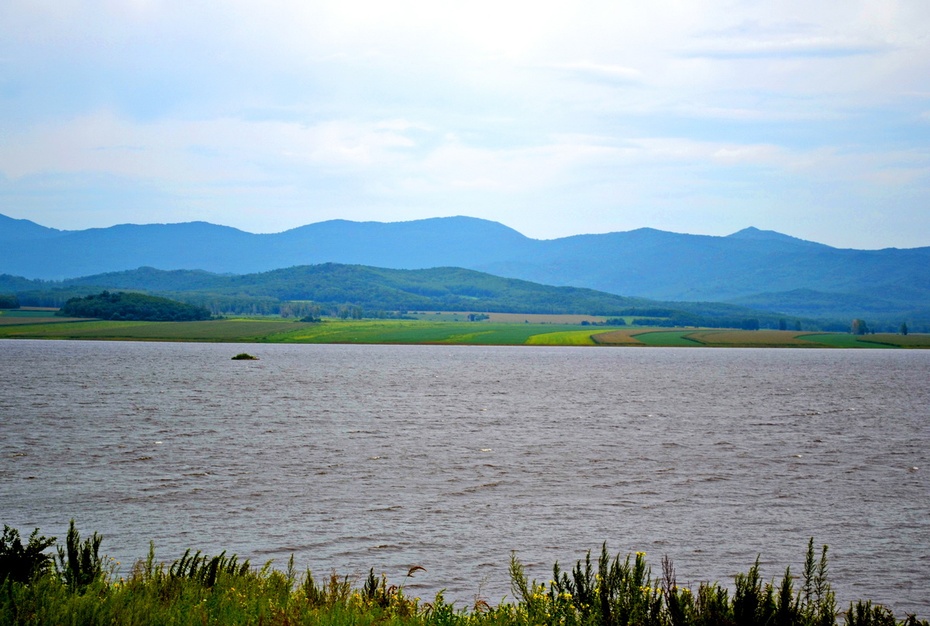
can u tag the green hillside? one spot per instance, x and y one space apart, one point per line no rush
356 291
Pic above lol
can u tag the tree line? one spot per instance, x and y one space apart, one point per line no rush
132 306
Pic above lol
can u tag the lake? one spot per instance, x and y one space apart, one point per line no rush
385 457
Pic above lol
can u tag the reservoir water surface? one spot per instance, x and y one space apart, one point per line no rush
385 457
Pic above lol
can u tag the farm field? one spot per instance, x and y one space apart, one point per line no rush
26 313
878 340
667 338
278 330
563 338
236 330
31 316
757 339
9 320
414 332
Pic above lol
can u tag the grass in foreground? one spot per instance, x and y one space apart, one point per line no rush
76 588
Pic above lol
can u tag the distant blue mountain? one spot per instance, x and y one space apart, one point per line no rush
752 267
13 230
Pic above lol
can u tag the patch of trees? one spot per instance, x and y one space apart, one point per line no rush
132 306
8 301
52 297
859 327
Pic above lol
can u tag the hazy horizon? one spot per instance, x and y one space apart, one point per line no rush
554 119
402 221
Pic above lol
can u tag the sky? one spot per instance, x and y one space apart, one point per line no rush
553 118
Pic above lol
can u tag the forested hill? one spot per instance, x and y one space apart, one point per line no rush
132 306
761 269
333 286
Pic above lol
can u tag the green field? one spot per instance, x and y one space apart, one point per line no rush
878 340
238 330
278 330
424 332
24 313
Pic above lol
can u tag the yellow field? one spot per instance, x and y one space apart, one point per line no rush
563 338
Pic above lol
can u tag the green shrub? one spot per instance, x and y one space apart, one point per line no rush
204 569
80 563
22 564
865 614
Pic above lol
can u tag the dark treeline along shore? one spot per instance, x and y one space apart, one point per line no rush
75 584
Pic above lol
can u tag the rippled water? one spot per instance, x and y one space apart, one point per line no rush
351 457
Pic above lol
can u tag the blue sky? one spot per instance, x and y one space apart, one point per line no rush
554 118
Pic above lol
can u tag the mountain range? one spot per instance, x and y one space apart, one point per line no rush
753 268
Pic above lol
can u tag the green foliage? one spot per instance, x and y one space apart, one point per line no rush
859 327
23 563
609 591
205 569
80 563
623 592
8 301
132 306
752 603
865 614
817 600
751 323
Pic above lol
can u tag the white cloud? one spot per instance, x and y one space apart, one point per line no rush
416 106
191 151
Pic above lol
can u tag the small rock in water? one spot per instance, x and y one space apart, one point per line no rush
244 356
